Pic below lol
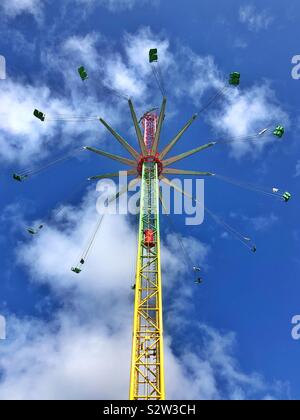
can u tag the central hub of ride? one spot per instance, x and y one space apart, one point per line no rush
149 159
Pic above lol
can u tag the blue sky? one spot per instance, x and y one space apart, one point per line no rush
231 337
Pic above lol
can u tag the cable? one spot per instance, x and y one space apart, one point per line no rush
72 119
82 260
63 205
86 253
155 67
157 80
187 258
156 77
112 91
31 172
219 93
116 93
90 244
244 138
243 239
36 171
249 186
161 77
69 197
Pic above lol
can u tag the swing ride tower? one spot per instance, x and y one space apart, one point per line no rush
147 364
149 165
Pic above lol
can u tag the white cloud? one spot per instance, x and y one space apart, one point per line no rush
197 372
255 20
83 351
82 48
246 112
240 43
117 5
13 8
191 77
23 138
88 340
224 235
132 74
21 135
65 360
68 359
137 48
105 65
262 223
123 79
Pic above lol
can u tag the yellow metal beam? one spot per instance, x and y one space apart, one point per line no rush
147 364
